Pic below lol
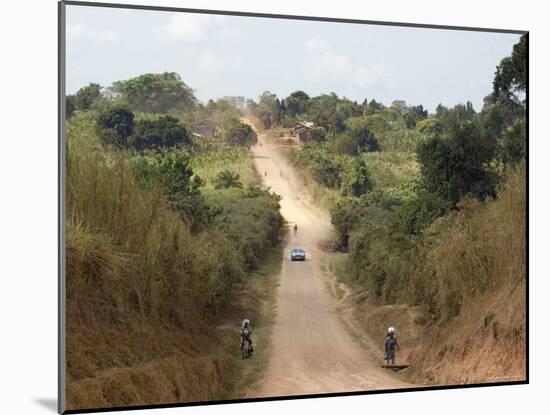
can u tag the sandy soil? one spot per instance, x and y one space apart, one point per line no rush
312 352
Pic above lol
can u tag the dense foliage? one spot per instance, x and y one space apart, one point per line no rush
396 174
153 247
157 93
158 132
238 134
116 125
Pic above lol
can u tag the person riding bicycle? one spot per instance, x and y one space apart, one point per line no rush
295 228
246 334
390 346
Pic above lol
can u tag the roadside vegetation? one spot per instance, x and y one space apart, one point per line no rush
430 206
167 226
164 229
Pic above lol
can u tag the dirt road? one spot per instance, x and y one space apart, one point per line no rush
311 350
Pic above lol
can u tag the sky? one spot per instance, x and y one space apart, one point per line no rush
244 56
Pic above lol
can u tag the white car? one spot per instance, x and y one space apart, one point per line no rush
297 254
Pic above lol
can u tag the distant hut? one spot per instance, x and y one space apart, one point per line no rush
302 130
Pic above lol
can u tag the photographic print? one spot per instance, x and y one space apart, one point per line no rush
275 207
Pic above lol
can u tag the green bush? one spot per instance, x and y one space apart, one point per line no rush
116 124
236 133
356 181
156 93
157 132
171 171
415 214
478 248
226 179
250 218
456 164
318 134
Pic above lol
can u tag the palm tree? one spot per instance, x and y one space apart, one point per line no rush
226 179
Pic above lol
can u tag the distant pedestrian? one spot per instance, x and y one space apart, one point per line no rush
390 346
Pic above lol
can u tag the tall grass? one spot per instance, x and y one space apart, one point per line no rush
141 289
127 251
475 250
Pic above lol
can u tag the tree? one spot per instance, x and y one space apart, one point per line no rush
86 96
440 110
496 117
511 75
239 134
399 105
514 143
157 132
344 217
325 169
356 182
318 134
362 135
455 164
346 144
157 93
429 126
346 109
116 125
282 108
172 171
70 105
450 118
413 115
251 105
268 110
374 107
296 103
322 111
503 117
415 214
225 179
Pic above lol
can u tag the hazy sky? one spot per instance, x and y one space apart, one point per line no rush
227 55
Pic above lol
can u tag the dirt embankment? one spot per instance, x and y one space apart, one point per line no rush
182 367
114 365
485 344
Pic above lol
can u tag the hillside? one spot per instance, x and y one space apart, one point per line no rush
154 300
476 332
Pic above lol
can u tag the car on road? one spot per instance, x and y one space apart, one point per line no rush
297 254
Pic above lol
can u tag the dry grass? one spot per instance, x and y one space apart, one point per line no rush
477 269
151 316
486 343
478 249
472 276
259 303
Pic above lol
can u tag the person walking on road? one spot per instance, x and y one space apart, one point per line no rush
295 229
246 334
390 346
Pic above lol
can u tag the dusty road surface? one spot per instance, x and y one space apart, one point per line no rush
311 350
